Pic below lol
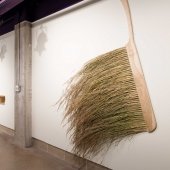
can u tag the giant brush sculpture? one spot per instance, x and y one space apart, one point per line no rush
107 100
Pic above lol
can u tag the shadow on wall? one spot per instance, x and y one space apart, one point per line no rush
41 40
3 51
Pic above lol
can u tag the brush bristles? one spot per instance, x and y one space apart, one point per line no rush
102 105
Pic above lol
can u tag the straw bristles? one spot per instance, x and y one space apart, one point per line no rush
102 105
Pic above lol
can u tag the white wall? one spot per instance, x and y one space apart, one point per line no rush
7 79
62 45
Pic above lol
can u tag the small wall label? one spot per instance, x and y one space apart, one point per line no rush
2 99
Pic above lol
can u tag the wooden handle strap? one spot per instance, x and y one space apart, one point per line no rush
138 75
125 4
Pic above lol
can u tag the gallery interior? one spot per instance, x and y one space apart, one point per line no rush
78 87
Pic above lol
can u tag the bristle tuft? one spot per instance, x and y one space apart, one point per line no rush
102 105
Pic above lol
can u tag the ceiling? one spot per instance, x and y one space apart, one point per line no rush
15 11
6 5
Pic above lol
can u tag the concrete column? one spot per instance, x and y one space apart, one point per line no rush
23 91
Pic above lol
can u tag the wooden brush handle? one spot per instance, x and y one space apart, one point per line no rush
129 19
139 79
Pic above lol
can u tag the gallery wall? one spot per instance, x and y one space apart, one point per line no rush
63 44
60 48
7 79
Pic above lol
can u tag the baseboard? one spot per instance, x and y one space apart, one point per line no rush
79 163
7 130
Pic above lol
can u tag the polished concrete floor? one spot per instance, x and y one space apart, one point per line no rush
14 158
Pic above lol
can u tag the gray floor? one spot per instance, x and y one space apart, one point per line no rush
15 158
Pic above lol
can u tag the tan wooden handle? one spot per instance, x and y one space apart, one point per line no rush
138 75
125 4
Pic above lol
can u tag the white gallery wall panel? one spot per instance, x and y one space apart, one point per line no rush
7 55
63 44
60 48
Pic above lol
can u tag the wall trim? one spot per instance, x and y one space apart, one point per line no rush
7 130
73 160
65 11
70 158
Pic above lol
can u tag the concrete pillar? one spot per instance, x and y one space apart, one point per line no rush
23 94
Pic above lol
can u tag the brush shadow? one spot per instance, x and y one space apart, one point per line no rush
41 40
